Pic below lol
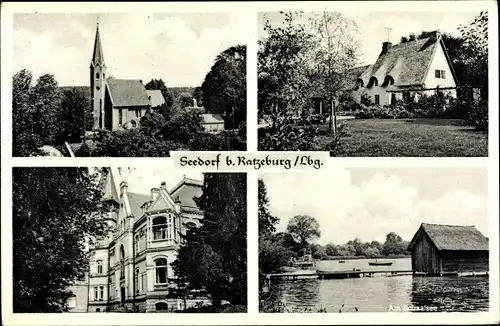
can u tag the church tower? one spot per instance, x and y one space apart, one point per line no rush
98 82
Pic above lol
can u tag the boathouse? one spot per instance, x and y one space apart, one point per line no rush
449 250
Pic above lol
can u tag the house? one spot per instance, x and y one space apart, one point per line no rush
408 70
449 249
130 268
212 123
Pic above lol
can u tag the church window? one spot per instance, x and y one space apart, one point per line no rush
99 267
96 75
160 228
161 271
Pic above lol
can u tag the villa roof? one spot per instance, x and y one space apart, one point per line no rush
452 237
407 63
127 92
210 118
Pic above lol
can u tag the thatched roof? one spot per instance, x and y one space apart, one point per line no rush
407 63
452 237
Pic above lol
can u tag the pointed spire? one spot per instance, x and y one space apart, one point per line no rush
98 56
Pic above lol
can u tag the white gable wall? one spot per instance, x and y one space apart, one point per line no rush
439 62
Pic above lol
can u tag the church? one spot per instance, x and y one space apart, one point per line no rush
130 269
117 103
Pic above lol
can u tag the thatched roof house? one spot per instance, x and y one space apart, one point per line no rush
449 249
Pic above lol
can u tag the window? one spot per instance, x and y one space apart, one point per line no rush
96 293
393 99
161 271
103 75
96 75
440 74
122 262
99 267
160 228
161 306
138 113
97 310
101 293
120 116
142 282
377 99
136 280
137 247
406 97
373 82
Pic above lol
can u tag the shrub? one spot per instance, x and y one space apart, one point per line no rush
478 115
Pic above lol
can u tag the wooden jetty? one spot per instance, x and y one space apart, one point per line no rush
328 275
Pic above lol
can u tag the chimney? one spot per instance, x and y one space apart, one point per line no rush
154 193
163 185
195 103
385 47
434 36
177 202
123 187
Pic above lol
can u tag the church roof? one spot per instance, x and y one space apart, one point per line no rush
127 92
156 97
98 55
407 63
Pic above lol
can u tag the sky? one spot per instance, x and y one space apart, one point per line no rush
179 48
142 179
371 32
370 203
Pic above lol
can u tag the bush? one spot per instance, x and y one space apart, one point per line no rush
478 115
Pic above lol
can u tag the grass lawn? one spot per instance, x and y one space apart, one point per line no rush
410 137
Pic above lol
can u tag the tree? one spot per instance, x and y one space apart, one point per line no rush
331 250
184 127
35 113
475 37
267 221
129 143
283 86
393 244
303 228
224 88
77 115
54 211
334 52
185 100
152 123
198 95
214 255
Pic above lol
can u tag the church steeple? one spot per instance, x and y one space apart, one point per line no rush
98 56
98 83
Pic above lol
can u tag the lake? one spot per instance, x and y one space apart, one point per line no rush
382 293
